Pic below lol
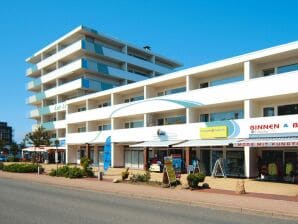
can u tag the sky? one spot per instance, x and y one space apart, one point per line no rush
193 32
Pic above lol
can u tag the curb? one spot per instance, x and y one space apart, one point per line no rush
222 207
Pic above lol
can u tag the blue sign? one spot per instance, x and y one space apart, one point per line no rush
107 154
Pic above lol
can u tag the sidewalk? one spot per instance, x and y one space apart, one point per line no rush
280 207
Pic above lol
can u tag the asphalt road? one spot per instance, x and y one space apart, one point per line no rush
25 202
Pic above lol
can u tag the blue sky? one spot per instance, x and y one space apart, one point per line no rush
193 32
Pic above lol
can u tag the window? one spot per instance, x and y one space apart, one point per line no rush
269 71
287 68
268 111
172 91
104 127
132 99
176 90
105 104
288 109
204 117
221 116
175 120
134 124
160 121
82 129
80 109
204 85
226 80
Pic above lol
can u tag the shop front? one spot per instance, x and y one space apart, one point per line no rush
277 158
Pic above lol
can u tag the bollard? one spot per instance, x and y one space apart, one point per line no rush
100 175
38 171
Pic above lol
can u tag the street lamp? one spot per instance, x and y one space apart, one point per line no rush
57 143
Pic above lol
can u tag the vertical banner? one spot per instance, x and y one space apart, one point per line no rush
107 154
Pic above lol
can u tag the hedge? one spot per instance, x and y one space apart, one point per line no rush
22 168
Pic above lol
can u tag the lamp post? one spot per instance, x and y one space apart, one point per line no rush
56 155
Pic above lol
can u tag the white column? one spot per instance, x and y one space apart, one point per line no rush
249 70
247 161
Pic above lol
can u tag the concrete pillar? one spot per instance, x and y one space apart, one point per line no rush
187 156
146 156
190 83
95 155
87 150
247 163
249 70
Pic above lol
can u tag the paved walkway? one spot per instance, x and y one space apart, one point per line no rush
240 203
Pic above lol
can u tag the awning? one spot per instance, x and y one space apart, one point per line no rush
206 142
267 142
156 144
41 149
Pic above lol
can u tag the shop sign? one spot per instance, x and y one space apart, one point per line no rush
214 132
266 144
169 169
273 127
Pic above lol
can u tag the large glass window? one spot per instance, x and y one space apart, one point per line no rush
175 120
82 129
227 80
288 109
135 98
134 158
220 116
268 111
235 163
287 68
134 124
172 91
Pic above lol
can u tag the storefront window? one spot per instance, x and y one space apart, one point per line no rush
134 159
235 163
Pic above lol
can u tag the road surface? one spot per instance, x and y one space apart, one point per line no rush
25 202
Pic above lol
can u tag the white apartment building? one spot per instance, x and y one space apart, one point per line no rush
82 62
242 109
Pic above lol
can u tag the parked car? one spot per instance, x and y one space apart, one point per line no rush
3 158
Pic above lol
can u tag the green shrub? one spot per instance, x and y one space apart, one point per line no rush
125 174
1 166
22 168
194 179
11 159
75 172
141 177
68 172
87 171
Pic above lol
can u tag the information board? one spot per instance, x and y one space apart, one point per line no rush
169 169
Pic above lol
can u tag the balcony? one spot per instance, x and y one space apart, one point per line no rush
82 83
108 52
31 70
47 110
52 125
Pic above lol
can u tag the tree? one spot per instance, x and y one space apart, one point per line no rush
14 149
38 138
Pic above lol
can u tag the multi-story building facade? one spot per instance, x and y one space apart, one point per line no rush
242 109
84 61
5 133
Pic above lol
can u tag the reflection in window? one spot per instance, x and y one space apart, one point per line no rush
175 120
287 68
288 109
268 111
227 80
221 116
